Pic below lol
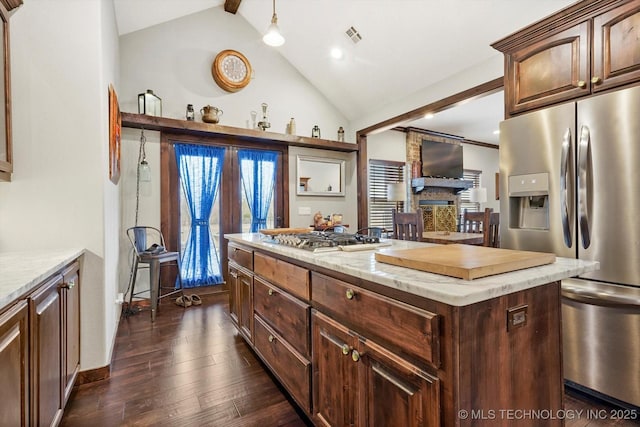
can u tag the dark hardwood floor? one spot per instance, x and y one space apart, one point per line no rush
191 368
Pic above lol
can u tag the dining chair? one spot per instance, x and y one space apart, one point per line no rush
408 225
472 221
491 228
149 251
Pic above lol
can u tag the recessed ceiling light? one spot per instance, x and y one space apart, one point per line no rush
496 132
428 116
337 53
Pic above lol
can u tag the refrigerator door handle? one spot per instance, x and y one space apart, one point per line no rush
564 171
599 298
583 216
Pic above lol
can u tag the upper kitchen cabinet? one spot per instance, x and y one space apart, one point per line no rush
587 47
616 47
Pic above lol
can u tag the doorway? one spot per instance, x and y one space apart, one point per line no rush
250 196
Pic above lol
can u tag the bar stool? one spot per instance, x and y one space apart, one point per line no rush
149 250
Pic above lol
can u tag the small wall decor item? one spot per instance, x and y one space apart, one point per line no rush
190 114
211 114
292 126
341 134
115 133
150 104
231 70
264 123
315 132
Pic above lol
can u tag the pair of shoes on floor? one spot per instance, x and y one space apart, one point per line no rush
188 300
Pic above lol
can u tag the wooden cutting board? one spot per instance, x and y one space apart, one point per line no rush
276 231
464 261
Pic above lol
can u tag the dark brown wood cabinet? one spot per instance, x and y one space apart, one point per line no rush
245 303
70 293
46 357
234 302
335 375
358 382
240 280
40 351
14 366
587 47
391 388
616 47
548 71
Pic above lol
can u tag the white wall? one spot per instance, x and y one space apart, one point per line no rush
174 60
389 145
62 59
486 160
473 76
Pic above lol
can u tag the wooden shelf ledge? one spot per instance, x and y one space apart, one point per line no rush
165 124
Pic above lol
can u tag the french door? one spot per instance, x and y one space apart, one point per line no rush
245 167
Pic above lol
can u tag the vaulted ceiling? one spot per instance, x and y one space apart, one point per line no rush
406 46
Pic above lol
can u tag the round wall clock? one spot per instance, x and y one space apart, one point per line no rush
231 70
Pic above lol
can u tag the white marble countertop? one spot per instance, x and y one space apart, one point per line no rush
21 272
448 290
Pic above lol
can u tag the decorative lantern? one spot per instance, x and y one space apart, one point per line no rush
149 104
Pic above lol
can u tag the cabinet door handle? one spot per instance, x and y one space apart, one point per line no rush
271 338
345 349
582 84
69 285
355 356
596 80
350 294
270 292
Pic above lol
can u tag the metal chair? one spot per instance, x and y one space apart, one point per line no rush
408 225
149 249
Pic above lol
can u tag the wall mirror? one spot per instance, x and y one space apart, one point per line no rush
318 176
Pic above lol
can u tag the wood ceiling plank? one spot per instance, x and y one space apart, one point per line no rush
232 6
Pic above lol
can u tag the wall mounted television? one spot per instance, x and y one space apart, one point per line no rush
441 159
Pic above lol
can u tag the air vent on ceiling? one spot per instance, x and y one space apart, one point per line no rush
353 34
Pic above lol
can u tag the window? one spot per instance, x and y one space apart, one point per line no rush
381 173
465 203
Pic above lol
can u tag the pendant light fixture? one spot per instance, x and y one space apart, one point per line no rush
273 37
144 171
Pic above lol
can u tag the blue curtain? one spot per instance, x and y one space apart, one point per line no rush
258 175
200 168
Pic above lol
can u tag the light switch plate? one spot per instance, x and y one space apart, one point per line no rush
304 210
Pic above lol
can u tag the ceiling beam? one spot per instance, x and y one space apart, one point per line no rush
231 6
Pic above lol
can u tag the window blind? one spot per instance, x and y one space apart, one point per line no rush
381 173
465 203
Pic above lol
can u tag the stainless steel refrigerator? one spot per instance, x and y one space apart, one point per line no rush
570 184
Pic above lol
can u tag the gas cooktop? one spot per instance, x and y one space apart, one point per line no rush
324 241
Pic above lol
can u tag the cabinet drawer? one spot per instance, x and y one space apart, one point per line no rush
293 370
241 256
415 331
288 276
288 315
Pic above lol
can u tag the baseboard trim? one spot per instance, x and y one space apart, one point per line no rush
92 375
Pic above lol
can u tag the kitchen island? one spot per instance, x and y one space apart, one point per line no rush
358 342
